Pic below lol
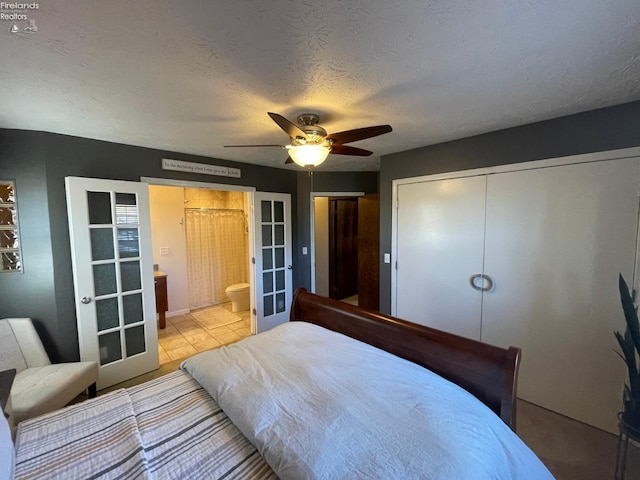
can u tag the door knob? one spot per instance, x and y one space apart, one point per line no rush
85 300
290 267
486 280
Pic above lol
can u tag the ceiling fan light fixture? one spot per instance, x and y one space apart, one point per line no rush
308 155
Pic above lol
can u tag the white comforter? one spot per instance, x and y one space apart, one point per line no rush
318 404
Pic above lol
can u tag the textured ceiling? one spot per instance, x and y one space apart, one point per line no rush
191 76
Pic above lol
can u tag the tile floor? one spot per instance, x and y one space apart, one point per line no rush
200 330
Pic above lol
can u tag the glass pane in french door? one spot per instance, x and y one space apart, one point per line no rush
99 204
132 308
110 348
107 313
117 274
128 242
101 243
134 339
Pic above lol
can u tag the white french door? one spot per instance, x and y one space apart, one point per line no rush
110 233
273 254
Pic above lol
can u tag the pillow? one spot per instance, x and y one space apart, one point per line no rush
7 450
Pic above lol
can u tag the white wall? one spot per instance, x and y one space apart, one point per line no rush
167 230
321 244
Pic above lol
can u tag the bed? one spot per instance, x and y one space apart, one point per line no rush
337 392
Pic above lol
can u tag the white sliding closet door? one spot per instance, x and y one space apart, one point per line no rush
440 241
556 240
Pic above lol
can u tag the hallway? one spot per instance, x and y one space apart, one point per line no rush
201 330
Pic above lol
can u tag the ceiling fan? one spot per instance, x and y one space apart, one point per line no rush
310 143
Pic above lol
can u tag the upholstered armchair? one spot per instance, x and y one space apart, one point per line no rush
39 386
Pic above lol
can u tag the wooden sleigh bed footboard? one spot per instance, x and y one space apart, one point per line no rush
488 372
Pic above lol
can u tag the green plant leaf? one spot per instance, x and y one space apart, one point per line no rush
626 345
621 356
626 394
630 313
635 386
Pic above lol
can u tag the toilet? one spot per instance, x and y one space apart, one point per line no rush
239 296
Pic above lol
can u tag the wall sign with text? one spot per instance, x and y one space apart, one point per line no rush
202 168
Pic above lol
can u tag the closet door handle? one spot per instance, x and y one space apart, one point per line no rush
488 283
486 280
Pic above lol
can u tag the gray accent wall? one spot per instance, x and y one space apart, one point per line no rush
39 162
30 293
366 182
595 131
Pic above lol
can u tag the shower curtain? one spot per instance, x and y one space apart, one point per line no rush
217 254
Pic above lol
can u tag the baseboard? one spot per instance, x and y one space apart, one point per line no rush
178 312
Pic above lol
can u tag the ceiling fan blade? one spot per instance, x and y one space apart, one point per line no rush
288 161
272 145
347 150
290 128
349 136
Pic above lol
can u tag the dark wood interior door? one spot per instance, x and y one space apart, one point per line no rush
369 251
343 247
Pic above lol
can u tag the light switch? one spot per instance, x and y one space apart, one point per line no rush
165 251
304 250
387 258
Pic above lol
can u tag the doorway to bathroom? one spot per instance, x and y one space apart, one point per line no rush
201 243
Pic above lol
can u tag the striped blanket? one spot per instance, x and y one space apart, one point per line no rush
166 428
